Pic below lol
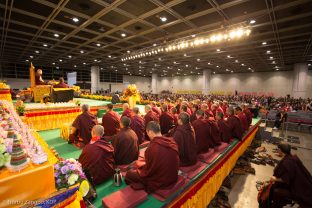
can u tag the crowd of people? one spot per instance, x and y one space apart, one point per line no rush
176 133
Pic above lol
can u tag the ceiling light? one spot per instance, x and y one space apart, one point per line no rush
179 69
31 56
268 51
264 43
198 59
95 60
69 56
163 19
252 71
309 64
81 51
276 69
75 66
60 60
209 63
236 61
26 60
249 68
198 73
109 56
154 44
123 35
185 54
186 65
252 21
218 50
128 51
45 45
227 70
214 72
243 64
53 63
116 70
273 62
84 63
271 57
229 56
217 66
231 71
98 44
37 52
75 19
56 35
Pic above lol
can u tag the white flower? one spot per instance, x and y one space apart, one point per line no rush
71 160
72 179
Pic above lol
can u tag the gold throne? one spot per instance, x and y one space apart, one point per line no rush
39 91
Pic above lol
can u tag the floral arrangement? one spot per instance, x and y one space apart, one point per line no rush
67 173
131 90
3 85
20 107
4 155
76 88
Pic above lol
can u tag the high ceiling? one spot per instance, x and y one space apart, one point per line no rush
107 30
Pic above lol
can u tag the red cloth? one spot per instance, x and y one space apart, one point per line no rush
209 113
166 122
184 136
128 112
206 156
39 81
137 125
161 168
224 130
111 123
98 159
221 147
150 116
235 127
175 118
61 85
215 133
193 117
202 135
193 170
243 119
126 146
248 116
84 124
156 110
125 198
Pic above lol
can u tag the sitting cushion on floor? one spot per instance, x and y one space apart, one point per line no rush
126 198
164 193
221 147
206 156
213 157
193 170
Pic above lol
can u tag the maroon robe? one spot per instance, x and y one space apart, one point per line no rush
193 117
126 146
184 136
111 123
166 122
84 124
61 85
98 159
38 80
208 113
215 133
248 116
150 116
202 132
137 125
243 119
127 112
161 167
224 130
296 180
235 127
175 119
156 110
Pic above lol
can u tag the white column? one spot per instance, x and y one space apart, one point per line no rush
299 88
154 83
95 78
206 81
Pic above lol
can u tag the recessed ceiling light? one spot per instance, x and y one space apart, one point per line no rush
69 56
252 71
249 68
231 71
185 54
109 56
198 59
227 70
268 51
84 63
273 62
271 57
209 63
236 61
154 44
193 36
75 19
45 45
128 51
264 43
37 52
81 51
98 44
179 69
159 59
123 35
163 19
116 70
75 66
198 73
276 69
26 60
126 69
186 65
218 50
56 35
214 72
309 64
243 64
217 66
95 60
31 56
252 21
60 60
229 56
53 63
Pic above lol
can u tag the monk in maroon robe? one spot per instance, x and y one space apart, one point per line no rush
178 105
61 84
149 116
242 117
166 120
125 143
234 123
247 113
215 133
38 78
194 110
224 128
82 126
111 121
126 110
98 158
202 132
137 124
162 163
175 116
155 108
207 111
184 136
292 181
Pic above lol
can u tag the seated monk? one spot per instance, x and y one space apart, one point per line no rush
97 157
234 123
194 109
111 121
166 120
162 162
155 108
242 117
292 181
82 126
184 136
125 143
247 113
202 133
61 84
126 110
223 127
208 112
149 116
185 108
137 124
173 112
38 78
215 134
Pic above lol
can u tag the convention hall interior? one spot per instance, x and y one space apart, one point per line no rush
156 103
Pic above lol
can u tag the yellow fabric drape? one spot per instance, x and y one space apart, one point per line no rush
206 193
6 97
